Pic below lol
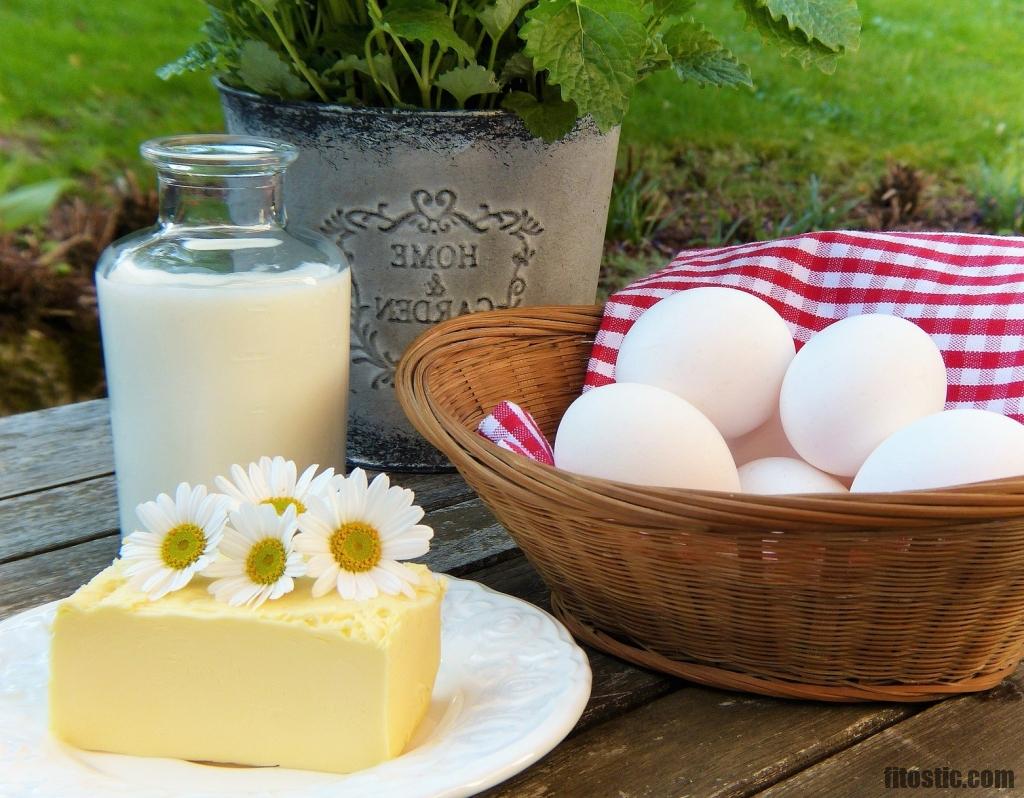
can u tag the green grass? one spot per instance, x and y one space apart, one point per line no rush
937 87
77 88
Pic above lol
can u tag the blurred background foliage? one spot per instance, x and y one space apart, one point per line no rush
923 128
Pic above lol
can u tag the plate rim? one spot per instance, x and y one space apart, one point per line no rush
564 716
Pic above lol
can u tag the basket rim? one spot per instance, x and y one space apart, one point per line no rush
990 500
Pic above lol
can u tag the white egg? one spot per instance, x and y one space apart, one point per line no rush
645 436
779 475
955 447
768 440
723 350
854 384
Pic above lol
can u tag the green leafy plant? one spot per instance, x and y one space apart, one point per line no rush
549 61
639 208
818 213
1000 194
28 204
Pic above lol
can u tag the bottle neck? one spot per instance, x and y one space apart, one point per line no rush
215 201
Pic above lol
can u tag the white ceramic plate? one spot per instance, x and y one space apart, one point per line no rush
512 684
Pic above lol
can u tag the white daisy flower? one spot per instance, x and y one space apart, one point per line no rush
181 538
275 482
258 558
355 535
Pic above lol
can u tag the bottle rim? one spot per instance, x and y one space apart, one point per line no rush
217 154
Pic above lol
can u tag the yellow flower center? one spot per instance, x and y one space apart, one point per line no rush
355 546
266 561
182 546
281 503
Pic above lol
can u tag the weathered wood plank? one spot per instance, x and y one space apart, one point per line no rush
72 443
54 447
46 577
980 732
434 491
36 522
618 687
467 537
699 742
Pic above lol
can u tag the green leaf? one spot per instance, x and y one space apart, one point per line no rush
383 69
30 204
834 23
699 57
551 119
499 16
592 50
200 55
468 81
518 66
791 42
265 72
345 38
424 21
672 8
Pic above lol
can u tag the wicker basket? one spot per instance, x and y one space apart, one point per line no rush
890 597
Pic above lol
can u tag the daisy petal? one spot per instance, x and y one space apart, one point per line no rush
154 517
319 563
387 582
259 474
138 572
313 523
182 502
308 543
295 566
326 582
234 546
318 485
366 587
281 587
403 572
181 578
223 568
170 509
397 524
346 583
158 584
404 548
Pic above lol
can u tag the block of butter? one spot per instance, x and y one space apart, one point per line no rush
318 684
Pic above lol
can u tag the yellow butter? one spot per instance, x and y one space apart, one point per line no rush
319 684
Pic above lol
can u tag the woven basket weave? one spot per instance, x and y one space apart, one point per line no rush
890 597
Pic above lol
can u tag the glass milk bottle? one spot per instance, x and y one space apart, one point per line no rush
225 335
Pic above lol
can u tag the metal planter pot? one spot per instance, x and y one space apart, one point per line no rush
440 214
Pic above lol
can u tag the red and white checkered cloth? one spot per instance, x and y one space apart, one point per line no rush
512 428
966 291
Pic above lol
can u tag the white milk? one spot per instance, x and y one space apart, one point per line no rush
208 370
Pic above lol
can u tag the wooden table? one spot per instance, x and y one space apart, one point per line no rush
643 734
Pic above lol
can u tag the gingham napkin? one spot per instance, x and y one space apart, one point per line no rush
512 428
966 291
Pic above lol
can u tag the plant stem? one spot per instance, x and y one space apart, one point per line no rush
306 29
318 26
360 13
372 69
296 58
494 53
420 81
428 79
